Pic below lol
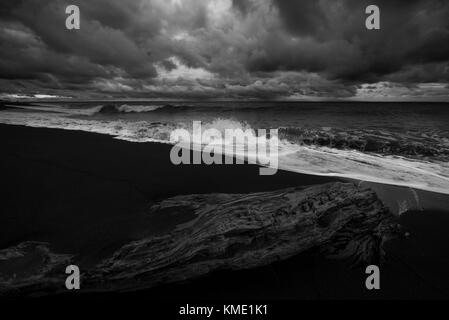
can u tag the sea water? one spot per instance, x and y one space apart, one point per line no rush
404 143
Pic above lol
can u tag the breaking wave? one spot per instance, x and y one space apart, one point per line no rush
111 108
42 108
407 160
126 108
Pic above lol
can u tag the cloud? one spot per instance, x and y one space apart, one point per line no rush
391 91
222 48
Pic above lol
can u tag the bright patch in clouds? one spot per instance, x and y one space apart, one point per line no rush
181 71
35 96
113 85
218 9
391 91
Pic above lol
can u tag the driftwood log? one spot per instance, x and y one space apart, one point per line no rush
228 231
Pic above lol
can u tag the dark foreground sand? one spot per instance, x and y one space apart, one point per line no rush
86 195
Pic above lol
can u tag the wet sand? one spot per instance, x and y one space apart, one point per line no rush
86 195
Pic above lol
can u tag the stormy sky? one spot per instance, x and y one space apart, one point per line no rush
225 49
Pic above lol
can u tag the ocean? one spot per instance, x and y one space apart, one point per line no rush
404 144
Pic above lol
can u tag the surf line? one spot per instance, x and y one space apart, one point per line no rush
259 147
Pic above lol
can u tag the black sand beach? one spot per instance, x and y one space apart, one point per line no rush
81 190
87 194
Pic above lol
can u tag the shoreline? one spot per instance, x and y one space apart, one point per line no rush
56 169
413 177
87 194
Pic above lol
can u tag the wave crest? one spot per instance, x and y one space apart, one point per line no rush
126 108
310 151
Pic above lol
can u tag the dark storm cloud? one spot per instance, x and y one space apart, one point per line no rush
99 43
222 48
303 17
412 32
244 6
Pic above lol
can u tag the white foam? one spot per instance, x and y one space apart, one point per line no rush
59 109
138 108
425 175
431 176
